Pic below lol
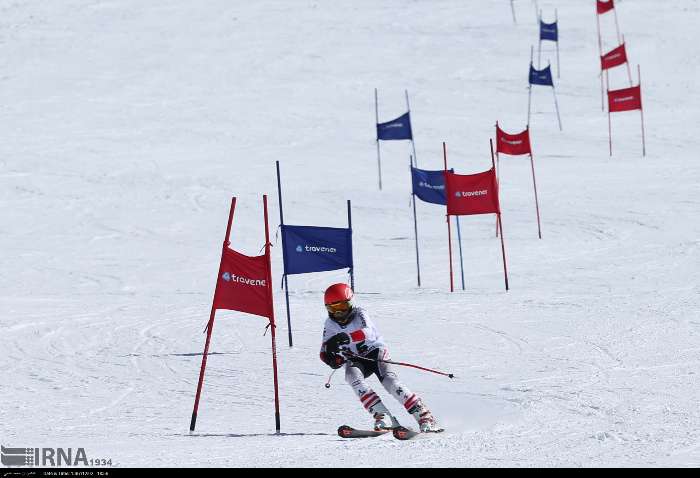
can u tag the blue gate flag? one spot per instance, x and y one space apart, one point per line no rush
429 186
541 77
315 249
549 31
399 128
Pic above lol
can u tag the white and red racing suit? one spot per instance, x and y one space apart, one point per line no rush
369 346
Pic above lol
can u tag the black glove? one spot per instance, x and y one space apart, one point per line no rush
334 343
334 360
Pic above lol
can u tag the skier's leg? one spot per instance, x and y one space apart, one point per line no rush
411 402
355 376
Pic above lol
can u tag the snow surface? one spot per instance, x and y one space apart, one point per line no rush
127 126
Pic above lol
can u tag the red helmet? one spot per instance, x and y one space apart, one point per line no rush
338 300
337 293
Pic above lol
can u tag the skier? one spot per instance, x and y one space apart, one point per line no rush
348 329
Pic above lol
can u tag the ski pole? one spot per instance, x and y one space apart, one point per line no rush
352 355
328 383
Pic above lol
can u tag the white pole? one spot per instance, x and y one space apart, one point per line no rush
556 21
413 144
539 47
617 27
641 111
529 87
536 9
609 123
607 81
379 158
600 51
537 204
629 70
556 105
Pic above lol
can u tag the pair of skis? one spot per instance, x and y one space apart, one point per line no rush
400 433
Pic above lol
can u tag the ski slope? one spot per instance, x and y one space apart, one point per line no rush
127 127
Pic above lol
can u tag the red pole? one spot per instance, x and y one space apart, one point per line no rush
641 111
498 170
404 364
210 324
497 175
272 317
493 163
449 229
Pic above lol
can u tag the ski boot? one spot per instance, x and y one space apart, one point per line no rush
383 419
425 419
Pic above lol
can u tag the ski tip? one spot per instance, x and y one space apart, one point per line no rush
345 431
403 433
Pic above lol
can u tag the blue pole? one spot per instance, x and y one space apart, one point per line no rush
284 254
415 223
379 155
352 269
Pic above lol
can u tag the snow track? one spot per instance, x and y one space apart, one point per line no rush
127 127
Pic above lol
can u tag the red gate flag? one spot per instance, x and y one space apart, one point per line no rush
513 144
626 99
472 193
613 58
604 7
242 284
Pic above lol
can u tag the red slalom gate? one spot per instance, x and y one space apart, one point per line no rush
244 284
626 99
517 145
472 194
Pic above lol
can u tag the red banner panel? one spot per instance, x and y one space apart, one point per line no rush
627 99
243 284
472 193
514 144
614 58
604 7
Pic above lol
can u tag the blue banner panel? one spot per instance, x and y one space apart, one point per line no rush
429 186
549 31
396 129
316 249
541 77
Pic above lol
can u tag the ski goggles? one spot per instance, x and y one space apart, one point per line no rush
342 306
